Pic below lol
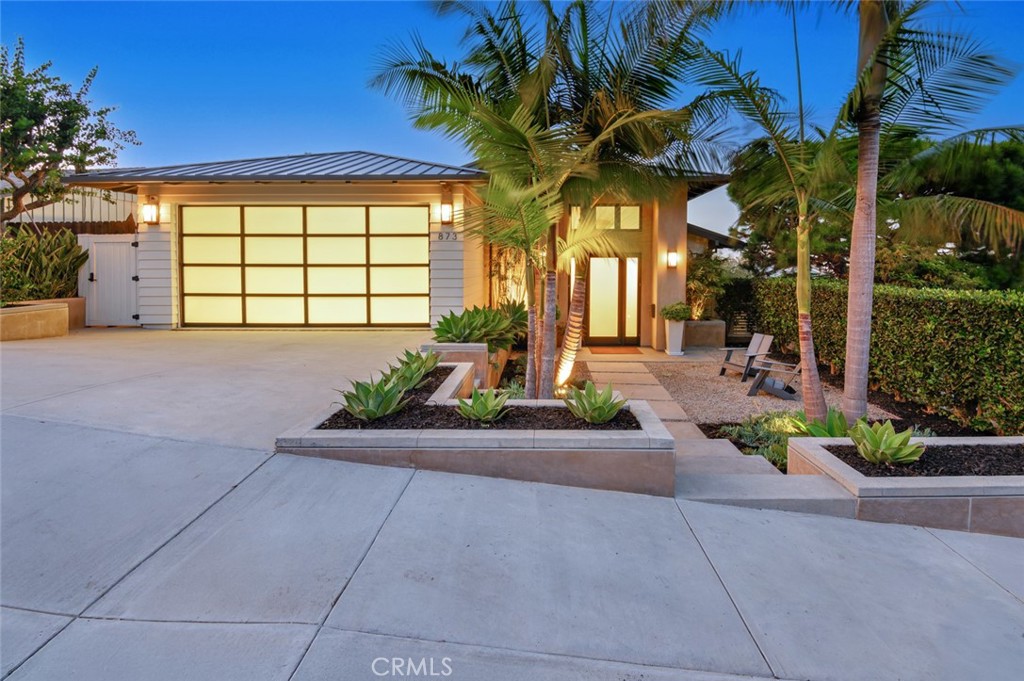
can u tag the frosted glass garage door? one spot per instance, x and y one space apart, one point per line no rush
305 265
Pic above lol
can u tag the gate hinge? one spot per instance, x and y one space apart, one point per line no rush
135 316
135 244
135 278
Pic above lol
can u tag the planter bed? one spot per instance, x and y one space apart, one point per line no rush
633 453
36 320
936 492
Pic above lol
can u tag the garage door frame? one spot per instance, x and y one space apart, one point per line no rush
306 266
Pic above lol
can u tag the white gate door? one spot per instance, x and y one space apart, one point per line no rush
108 281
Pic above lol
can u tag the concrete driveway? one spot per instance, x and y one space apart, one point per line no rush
148 533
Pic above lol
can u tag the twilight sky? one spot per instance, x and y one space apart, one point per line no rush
205 81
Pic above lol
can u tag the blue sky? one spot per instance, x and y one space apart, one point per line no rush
220 80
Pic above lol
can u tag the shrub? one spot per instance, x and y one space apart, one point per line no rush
705 282
676 312
476 325
960 353
486 407
880 443
767 434
39 266
593 406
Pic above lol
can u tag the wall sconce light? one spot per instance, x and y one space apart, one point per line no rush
673 259
151 211
447 209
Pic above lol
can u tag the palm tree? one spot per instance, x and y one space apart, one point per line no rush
575 74
930 79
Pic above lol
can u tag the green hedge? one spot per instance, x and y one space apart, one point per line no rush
958 352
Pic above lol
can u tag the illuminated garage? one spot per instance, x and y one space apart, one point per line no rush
348 239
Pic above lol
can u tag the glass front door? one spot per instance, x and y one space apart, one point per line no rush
613 301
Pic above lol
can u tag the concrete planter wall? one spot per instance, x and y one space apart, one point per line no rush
487 367
705 333
76 309
641 461
24 322
986 504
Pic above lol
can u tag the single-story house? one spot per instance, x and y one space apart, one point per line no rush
349 239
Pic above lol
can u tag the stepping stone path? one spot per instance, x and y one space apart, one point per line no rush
716 471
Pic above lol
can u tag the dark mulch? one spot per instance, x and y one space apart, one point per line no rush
942 460
712 430
909 415
515 370
417 415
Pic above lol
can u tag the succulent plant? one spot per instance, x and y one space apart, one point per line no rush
834 424
486 407
369 400
593 406
880 443
476 325
412 369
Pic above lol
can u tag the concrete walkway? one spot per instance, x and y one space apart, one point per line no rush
155 537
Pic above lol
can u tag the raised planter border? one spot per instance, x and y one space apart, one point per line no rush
32 321
986 504
641 461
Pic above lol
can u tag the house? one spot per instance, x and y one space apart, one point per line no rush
350 239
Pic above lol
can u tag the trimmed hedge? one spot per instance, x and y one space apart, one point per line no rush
957 352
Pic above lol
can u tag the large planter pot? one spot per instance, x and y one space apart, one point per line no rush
674 333
24 322
706 333
76 309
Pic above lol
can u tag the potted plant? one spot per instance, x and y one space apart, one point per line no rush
675 316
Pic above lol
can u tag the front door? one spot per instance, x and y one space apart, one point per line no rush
613 301
108 281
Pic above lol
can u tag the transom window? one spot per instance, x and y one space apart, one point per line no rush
622 217
305 265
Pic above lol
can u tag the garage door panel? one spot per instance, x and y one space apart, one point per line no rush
399 220
336 250
213 309
399 310
273 219
275 310
211 280
329 310
273 250
274 280
220 250
211 220
345 280
399 250
399 279
336 220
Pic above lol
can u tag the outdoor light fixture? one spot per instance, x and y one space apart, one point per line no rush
447 209
151 211
673 259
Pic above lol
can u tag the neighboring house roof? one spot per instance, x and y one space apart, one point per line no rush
715 215
719 239
340 166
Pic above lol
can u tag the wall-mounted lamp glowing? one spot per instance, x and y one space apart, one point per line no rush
446 213
673 259
151 211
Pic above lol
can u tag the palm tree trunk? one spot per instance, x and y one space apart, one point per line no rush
814 398
546 389
862 238
573 329
531 333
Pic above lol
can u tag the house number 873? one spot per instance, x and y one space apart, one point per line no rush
447 236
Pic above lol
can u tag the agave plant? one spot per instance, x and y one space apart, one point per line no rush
476 325
834 424
485 407
518 318
880 443
593 406
370 400
412 369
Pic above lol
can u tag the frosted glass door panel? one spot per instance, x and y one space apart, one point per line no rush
603 292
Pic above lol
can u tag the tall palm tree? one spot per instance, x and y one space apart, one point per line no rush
930 79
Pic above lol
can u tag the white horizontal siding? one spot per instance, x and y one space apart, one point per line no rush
156 289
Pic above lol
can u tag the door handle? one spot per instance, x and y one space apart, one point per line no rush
92 276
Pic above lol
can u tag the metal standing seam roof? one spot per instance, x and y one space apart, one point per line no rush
333 166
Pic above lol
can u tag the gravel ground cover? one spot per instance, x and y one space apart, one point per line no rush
709 398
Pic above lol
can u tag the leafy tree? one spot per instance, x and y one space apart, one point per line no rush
48 128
